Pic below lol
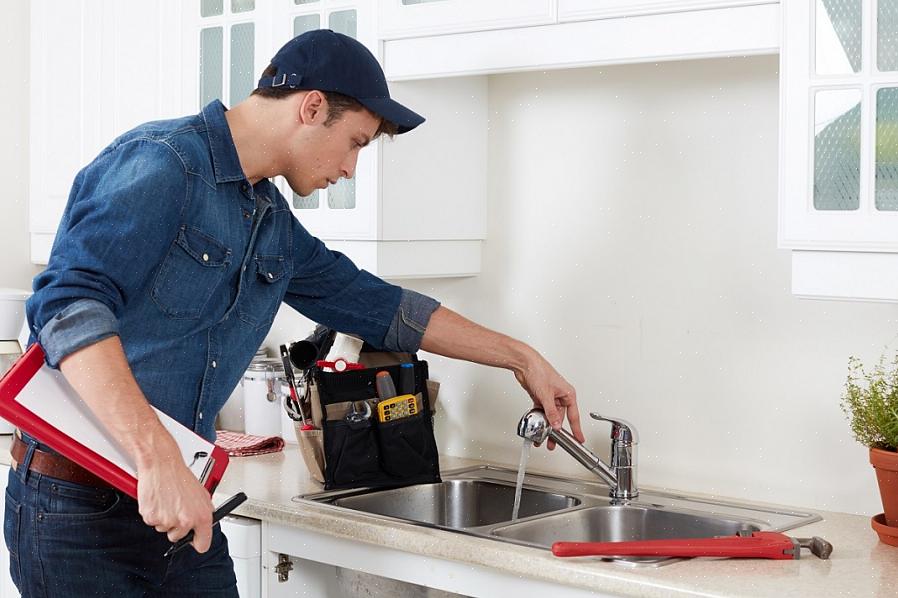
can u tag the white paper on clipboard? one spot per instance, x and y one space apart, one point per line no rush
49 396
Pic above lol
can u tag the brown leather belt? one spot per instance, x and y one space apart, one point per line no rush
54 466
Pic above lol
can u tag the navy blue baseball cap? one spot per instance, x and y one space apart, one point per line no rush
328 61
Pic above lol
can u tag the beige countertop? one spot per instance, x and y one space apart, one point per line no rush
860 564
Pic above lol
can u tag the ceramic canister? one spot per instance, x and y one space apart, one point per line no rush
264 387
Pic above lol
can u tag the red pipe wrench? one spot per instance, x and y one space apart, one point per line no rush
762 545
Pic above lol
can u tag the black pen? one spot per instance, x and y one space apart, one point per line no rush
225 509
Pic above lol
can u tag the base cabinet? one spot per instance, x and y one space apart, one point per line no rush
298 562
245 547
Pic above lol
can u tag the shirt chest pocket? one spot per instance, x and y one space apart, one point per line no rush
262 290
191 272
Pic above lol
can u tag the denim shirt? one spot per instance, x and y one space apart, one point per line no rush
165 243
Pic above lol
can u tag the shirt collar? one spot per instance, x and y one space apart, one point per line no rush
225 161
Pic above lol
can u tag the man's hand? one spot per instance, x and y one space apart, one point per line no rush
171 499
552 393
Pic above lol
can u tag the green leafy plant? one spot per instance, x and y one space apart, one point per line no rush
871 403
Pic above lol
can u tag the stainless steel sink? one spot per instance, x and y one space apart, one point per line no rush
457 504
619 524
478 501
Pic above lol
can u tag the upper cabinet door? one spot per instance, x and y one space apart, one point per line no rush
101 67
839 125
347 209
413 18
581 10
227 44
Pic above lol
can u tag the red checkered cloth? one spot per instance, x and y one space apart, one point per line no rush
238 444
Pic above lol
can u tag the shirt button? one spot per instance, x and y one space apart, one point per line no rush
246 214
244 186
205 257
201 415
214 364
270 275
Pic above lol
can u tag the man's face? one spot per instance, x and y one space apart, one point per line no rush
320 155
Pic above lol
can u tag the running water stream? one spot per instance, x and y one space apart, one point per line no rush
525 454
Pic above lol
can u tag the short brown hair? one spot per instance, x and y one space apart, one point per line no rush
338 104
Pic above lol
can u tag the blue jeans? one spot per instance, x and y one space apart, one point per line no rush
69 540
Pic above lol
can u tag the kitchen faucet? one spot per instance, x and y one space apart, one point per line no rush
620 476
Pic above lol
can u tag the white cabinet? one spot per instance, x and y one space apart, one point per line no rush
424 202
118 64
98 68
347 209
412 18
225 44
593 33
305 563
839 147
416 206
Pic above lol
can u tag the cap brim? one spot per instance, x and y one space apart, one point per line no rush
393 111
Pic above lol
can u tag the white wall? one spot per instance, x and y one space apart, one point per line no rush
15 267
632 240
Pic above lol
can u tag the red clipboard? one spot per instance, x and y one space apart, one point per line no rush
33 395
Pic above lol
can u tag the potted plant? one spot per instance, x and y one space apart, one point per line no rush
871 404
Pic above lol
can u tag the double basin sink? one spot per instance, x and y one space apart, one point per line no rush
479 501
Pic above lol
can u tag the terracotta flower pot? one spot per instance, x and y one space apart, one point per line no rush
886 465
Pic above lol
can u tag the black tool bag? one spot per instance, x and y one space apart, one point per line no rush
359 450
368 452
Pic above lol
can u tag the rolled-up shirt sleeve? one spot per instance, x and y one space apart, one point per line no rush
122 213
82 323
407 328
328 288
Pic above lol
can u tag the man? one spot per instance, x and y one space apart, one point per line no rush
172 257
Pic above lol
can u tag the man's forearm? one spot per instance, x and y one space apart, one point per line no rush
102 377
453 335
170 499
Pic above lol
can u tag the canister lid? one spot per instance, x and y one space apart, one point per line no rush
266 364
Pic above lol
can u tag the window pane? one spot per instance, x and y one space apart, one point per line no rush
838 37
211 64
305 1
306 203
304 23
887 149
887 26
342 195
837 144
211 8
242 60
343 21
243 5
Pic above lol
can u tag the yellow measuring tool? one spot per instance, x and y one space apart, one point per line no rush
397 408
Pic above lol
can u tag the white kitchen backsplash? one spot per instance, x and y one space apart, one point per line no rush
632 239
